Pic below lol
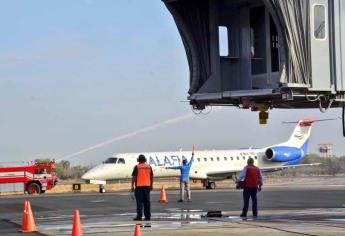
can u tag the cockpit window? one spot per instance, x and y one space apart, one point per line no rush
111 160
121 161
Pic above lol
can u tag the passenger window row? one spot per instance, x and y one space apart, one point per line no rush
205 159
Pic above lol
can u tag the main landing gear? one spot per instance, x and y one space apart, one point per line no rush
102 188
209 184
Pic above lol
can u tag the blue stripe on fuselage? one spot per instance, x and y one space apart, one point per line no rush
304 149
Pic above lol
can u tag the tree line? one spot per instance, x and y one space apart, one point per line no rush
328 166
65 171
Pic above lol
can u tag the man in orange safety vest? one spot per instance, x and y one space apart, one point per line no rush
142 182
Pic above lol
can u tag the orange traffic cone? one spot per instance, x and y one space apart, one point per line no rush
137 230
77 229
28 224
163 197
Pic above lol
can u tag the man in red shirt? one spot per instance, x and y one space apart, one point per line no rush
142 182
251 175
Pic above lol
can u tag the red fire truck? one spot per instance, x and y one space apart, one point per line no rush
33 178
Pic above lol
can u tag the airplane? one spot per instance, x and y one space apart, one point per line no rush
209 166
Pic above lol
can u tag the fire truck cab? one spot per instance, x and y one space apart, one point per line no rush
33 178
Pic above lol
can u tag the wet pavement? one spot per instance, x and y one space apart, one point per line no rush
284 211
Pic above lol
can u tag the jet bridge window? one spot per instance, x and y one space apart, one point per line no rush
274 46
121 161
111 160
258 40
223 41
319 22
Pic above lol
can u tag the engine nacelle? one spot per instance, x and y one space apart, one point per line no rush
283 154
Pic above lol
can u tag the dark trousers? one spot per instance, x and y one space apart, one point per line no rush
142 196
247 194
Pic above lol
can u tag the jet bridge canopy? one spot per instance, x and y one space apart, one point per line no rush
262 54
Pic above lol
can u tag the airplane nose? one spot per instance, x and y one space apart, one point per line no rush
91 174
100 172
86 176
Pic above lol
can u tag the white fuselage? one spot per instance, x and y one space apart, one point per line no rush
204 162
210 164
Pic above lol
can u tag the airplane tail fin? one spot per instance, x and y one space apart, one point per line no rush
301 134
294 150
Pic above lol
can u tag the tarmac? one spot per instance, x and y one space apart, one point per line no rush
284 210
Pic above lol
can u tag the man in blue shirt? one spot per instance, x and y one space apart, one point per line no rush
184 178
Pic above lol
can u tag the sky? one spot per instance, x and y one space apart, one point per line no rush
74 74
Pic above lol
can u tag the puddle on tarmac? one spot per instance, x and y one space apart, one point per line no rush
124 214
96 201
234 217
123 222
179 217
335 219
184 210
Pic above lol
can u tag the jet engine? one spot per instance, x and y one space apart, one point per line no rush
283 154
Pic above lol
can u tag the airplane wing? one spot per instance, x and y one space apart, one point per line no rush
227 173
223 173
272 169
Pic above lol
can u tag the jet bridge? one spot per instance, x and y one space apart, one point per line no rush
262 54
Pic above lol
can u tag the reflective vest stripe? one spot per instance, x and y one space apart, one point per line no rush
144 175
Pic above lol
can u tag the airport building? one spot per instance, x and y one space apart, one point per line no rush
325 149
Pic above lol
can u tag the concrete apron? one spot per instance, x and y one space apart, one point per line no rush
192 222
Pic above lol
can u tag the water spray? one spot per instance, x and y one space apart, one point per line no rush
129 135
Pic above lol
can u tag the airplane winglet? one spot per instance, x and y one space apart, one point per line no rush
309 121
